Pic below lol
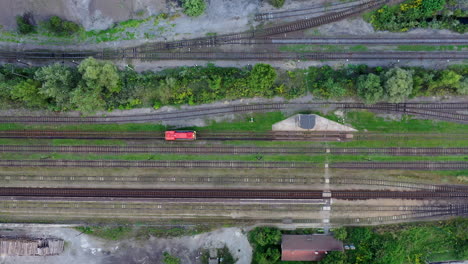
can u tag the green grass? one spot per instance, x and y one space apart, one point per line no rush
126 232
366 120
106 232
431 48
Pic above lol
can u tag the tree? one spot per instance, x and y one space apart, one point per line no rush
334 257
463 87
398 84
28 92
168 259
194 7
59 26
25 23
99 81
263 236
100 75
261 80
271 255
57 83
277 3
340 233
369 88
87 101
446 79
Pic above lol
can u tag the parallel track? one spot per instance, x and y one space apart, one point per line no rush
163 55
226 193
449 165
233 150
445 111
228 135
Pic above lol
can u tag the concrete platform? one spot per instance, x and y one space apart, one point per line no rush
302 122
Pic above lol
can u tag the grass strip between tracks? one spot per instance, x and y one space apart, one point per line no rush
259 157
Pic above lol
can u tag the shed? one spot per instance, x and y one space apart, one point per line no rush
25 246
308 247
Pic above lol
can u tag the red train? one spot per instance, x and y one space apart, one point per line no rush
181 135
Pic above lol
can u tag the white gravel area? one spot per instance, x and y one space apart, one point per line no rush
84 249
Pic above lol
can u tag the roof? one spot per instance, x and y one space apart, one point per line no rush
24 246
308 247
306 121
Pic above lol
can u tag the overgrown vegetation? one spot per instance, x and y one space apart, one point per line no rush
99 85
61 27
194 8
388 244
277 3
25 23
122 232
418 14
169 259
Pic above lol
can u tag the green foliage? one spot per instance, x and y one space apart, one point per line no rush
106 232
58 82
194 7
98 85
25 23
415 13
405 243
99 81
277 3
263 236
270 255
340 234
398 84
28 92
463 87
262 78
61 27
369 88
169 259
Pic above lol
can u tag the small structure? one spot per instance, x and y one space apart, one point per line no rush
302 122
24 246
308 247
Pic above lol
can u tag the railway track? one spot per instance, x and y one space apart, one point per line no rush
307 12
269 31
226 193
197 55
423 165
233 150
433 110
368 40
203 135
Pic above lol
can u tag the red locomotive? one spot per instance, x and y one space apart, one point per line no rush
181 135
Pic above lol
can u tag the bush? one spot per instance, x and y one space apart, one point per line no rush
398 84
369 88
194 7
277 3
415 14
25 23
168 259
61 27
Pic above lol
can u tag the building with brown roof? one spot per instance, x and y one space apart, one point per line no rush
308 247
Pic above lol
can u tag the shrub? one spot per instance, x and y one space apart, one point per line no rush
277 3
168 259
369 88
194 7
398 84
61 27
25 23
